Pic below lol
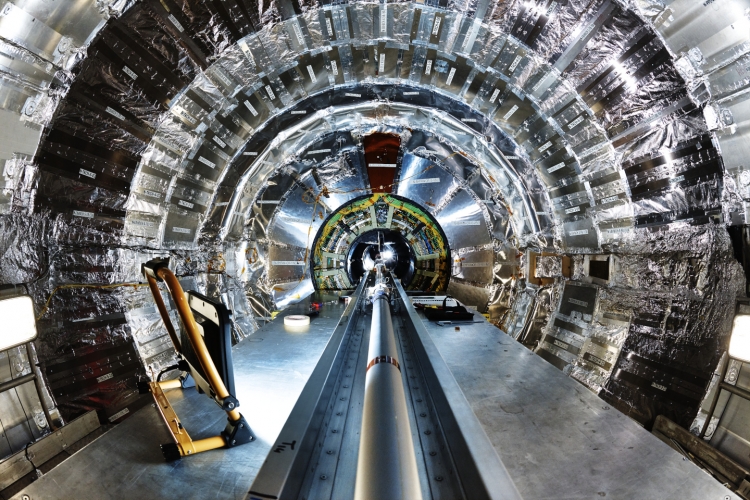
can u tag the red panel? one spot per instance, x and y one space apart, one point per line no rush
381 149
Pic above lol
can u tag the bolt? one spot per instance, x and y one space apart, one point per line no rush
323 477
329 452
438 478
334 431
231 405
605 407
242 426
189 452
422 414
433 453
428 432
26 497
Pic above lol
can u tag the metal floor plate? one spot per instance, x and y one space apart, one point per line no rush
556 438
271 368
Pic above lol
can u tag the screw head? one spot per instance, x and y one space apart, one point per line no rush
323 477
26 497
231 405
438 478
242 426
329 452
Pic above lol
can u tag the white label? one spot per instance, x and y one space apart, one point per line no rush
578 302
677 179
250 153
588 30
179 111
219 141
407 113
251 108
129 72
311 72
579 232
431 180
329 28
383 18
410 93
288 262
114 113
206 162
451 74
552 8
382 165
87 215
176 23
617 230
514 64
572 210
545 146
511 157
334 68
185 204
224 79
476 264
381 68
560 344
347 94
142 223
538 84
182 230
152 194
269 90
469 120
428 68
510 112
465 223
119 414
318 151
658 386
298 33
268 202
104 377
575 122
299 112
494 95
436 26
609 199
555 168
87 173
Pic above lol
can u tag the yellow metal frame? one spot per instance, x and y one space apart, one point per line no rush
185 444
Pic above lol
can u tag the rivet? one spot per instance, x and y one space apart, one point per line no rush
334 431
438 478
323 477
26 497
329 452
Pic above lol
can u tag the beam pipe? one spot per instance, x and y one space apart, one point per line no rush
387 465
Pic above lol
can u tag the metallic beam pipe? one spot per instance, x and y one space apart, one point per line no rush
387 466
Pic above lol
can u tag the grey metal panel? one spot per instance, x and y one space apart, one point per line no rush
424 182
463 221
556 438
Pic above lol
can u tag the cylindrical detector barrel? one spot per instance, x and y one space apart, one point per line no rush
387 466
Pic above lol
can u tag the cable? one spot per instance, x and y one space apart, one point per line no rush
165 370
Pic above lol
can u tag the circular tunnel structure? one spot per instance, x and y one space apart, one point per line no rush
579 169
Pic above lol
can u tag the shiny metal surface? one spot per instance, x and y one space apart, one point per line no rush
538 419
387 465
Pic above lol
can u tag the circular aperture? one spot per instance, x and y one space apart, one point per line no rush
392 248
